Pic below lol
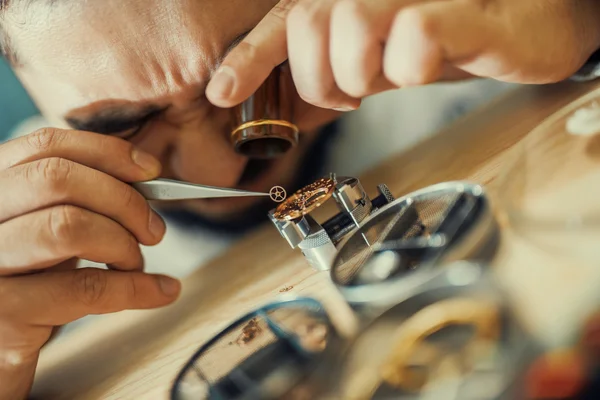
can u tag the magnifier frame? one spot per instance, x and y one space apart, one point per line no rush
461 279
397 289
283 302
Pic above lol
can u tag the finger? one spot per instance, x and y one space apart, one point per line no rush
19 351
53 181
308 53
50 236
57 298
108 154
248 65
359 30
425 37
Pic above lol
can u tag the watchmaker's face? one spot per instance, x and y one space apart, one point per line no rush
138 69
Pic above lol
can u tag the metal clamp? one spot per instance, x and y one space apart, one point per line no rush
319 241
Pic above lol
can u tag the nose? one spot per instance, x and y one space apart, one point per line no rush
203 154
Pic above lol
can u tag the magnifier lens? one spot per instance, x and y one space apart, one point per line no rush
268 354
458 339
264 124
391 254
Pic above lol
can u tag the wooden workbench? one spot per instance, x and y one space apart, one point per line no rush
136 355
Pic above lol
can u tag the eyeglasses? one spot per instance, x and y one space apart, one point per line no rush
275 351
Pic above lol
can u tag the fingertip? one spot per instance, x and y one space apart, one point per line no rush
147 162
170 287
221 87
157 228
351 106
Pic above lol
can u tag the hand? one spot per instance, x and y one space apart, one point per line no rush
63 197
341 51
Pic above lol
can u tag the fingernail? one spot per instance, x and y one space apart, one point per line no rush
169 286
147 162
344 109
223 82
156 225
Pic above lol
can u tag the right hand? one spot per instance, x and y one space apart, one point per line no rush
63 197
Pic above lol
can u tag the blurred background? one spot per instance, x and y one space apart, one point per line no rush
15 105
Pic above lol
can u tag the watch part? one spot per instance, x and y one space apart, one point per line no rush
277 194
305 200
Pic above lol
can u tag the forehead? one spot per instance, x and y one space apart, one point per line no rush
85 51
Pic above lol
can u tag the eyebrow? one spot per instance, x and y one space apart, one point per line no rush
117 119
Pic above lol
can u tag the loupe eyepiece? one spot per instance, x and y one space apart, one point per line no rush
263 124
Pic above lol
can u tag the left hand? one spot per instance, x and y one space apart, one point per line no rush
341 51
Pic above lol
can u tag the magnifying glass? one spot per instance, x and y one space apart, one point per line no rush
263 125
278 351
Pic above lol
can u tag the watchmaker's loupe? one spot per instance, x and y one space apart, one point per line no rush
264 124
378 263
455 339
274 352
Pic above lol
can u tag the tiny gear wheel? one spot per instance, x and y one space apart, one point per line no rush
277 194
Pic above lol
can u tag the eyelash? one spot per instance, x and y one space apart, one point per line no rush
136 131
132 134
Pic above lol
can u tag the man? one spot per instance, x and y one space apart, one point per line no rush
161 74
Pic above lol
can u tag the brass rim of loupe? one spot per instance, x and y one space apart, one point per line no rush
262 122
305 200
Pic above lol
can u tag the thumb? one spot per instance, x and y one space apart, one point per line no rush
57 298
249 64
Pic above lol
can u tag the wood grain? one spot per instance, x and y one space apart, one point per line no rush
136 355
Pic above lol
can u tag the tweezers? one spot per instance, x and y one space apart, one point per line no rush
167 189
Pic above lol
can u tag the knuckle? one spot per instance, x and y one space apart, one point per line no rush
350 10
64 222
131 288
283 7
246 51
55 171
90 285
306 15
128 196
132 247
45 139
417 20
